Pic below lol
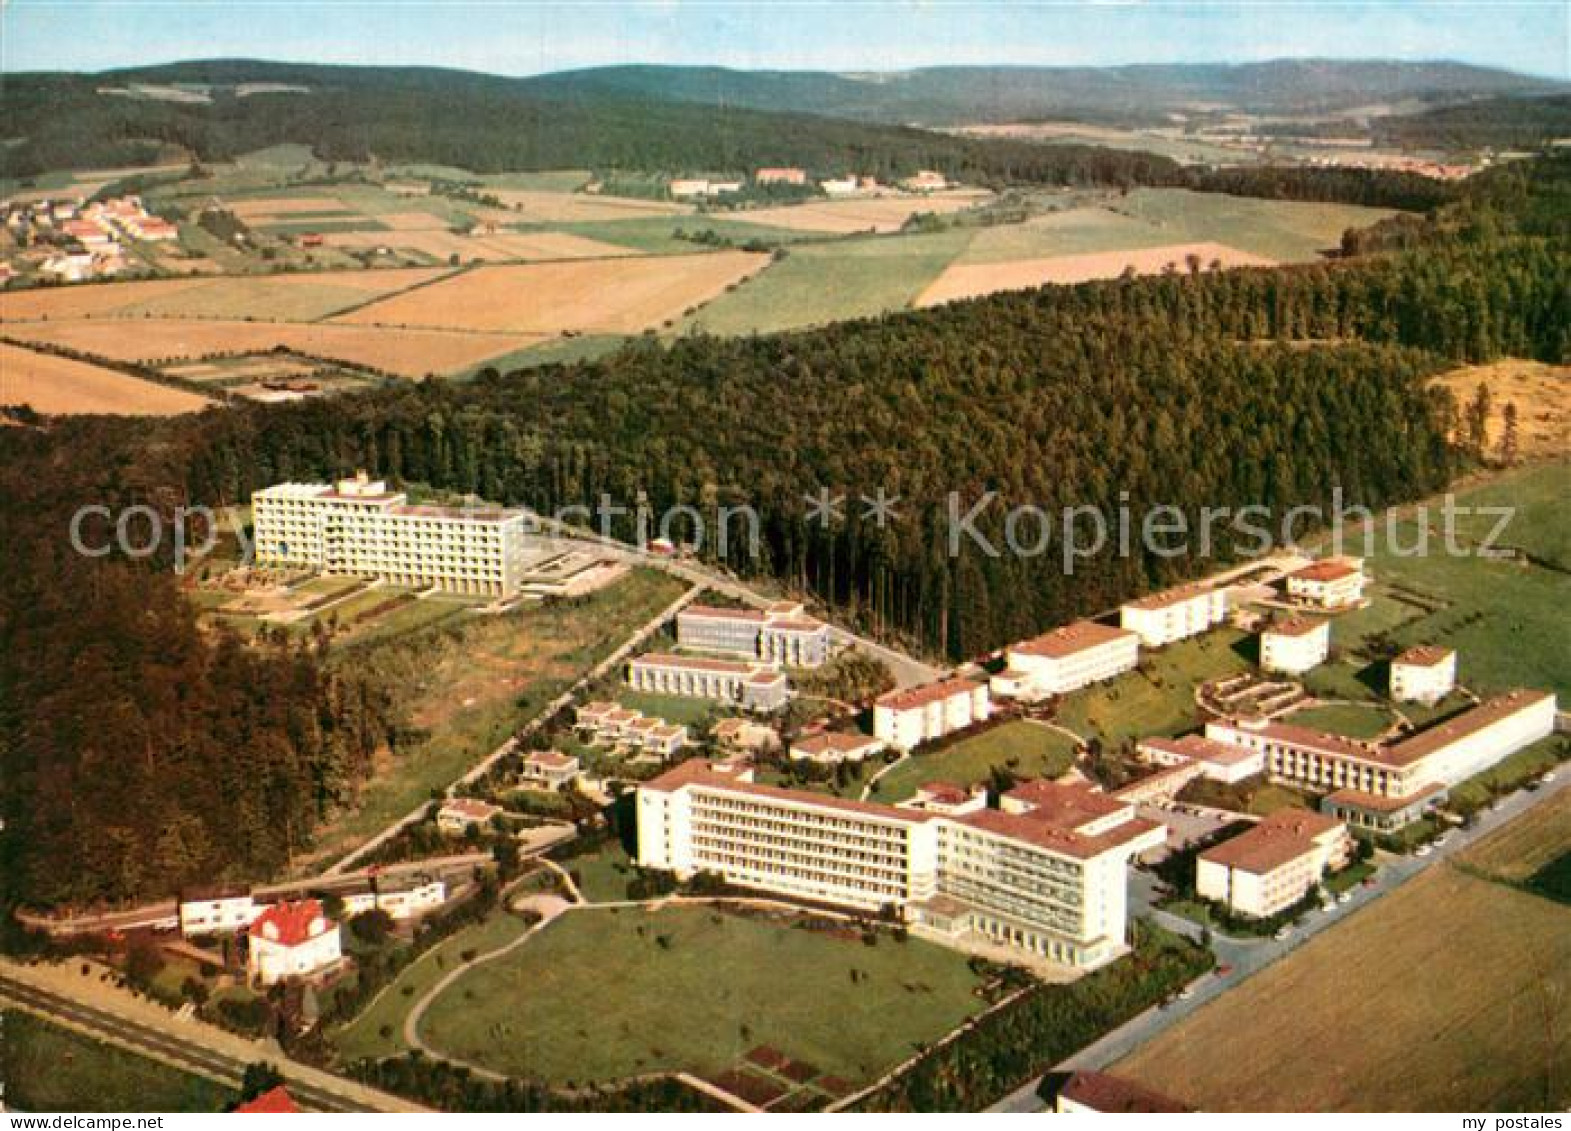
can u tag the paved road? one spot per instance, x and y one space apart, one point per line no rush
1250 956
163 1046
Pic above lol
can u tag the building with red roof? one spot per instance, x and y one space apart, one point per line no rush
906 719
274 1101
1066 659
291 940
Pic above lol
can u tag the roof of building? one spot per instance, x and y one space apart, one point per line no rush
1167 598
1066 805
291 922
1199 748
274 1101
915 697
1033 830
1278 840
1296 626
714 612
471 807
1112 1094
1329 569
696 771
597 708
945 792
834 741
1376 803
695 663
1072 639
1424 656
797 624
1427 741
1308 738
552 760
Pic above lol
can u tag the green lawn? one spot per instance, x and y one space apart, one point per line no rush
1026 749
1538 525
682 709
1355 720
602 876
1071 231
1158 697
364 1037
600 995
47 1068
826 282
1508 774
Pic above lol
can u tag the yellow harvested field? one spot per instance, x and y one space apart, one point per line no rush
299 296
59 385
876 214
265 209
1537 838
533 206
412 222
968 280
407 353
442 244
1451 993
1541 393
603 295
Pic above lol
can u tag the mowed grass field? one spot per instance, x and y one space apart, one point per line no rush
1452 993
598 295
1025 749
604 994
874 214
59 385
1284 230
1528 844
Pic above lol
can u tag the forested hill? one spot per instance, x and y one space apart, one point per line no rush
1126 95
486 124
125 730
1506 121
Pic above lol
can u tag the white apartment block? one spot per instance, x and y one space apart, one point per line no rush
1016 880
1295 645
1385 785
291 940
358 527
1066 659
1272 866
400 899
215 911
1218 761
1425 674
782 633
753 686
906 719
1335 583
832 747
1175 614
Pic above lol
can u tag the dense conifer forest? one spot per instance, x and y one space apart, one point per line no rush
137 751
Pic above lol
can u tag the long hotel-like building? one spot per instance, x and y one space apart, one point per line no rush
1049 880
358 527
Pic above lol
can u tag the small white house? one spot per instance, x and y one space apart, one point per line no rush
1334 583
291 940
1295 645
462 813
548 769
831 748
1425 674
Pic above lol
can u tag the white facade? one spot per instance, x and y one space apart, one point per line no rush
1177 614
462 813
781 634
906 719
754 686
1009 879
360 528
1218 761
1272 866
1294 646
1066 659
1335 583
552 770
219 912
1423 675
833 748
400 902
291 940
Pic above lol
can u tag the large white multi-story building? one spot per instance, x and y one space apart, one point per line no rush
1032 881
360 528
1065 660
753 686
782 633
1175 614
1272 866
1425 674
1385 785
1295 645
1335 583
906 719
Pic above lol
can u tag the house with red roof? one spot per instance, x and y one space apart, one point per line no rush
291 940
274 1101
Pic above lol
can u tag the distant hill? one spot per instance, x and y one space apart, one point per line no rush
940 96
1504 122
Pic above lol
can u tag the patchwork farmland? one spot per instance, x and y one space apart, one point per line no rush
59 385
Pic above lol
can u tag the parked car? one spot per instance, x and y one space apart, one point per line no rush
1185 994
1423 850
1549 776
1282 933
1345 898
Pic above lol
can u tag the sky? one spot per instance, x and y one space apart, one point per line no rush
520 37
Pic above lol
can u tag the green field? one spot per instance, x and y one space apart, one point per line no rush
1159 696
600 995
1071 231
47 1068
1289 231
586 347
1025 749
1355 720
825 282
657 234
379 1030
673 708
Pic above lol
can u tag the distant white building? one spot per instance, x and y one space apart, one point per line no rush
906 719
1175 614
1425 674
841 186
1335 583
1295 645
291 940
832 747
216 911
400 898
552 770
1273 865
460 814
1065 660
1218 761
752 686
782 633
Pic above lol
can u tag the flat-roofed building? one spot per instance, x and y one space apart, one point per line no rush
1334 583
401 897
1007 879
1066 659
460 814
1219 761
833 747
1174 614
906 719
551 769
217 910
1295 644
1272 866
360 528
782 633
751 686
788 175
1425 674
